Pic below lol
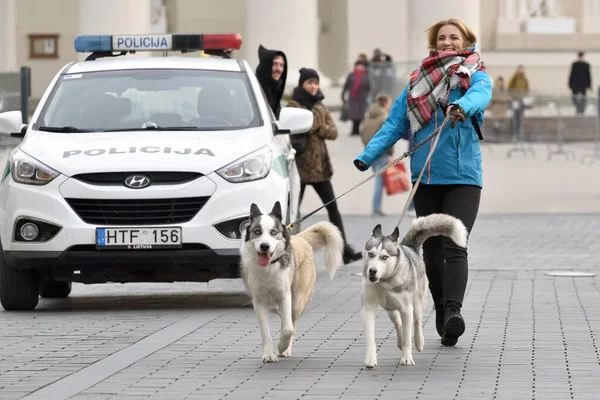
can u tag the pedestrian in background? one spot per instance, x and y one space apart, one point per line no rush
580 81
314 164
356 88
376 116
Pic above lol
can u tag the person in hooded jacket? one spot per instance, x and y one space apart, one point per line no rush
452 180
312 158
271 73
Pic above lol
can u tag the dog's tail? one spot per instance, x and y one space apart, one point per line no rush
435 225
326 236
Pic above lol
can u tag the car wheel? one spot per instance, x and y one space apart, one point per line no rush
19 289
55 289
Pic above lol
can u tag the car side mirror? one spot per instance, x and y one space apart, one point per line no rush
294 120
11 124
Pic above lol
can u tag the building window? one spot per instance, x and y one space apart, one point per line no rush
43 46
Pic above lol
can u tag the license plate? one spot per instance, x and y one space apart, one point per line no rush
138 238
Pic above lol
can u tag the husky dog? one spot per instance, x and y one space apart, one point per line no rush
394 278
279 270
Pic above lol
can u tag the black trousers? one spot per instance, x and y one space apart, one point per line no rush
356 126
579 100
325 192
446 262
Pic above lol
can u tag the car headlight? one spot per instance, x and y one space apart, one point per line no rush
252 167
29 171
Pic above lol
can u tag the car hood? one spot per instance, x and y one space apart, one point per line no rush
203 152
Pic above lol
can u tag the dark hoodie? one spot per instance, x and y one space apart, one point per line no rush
273 89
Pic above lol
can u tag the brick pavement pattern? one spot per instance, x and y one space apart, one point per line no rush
529 335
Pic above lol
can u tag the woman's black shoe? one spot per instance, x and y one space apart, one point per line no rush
454 325
350 255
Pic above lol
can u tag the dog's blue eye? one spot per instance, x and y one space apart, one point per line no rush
384 257
371 255
273 232
257 232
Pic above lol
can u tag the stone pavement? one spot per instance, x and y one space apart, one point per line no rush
529 335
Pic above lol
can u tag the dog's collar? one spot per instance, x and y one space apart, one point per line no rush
277 259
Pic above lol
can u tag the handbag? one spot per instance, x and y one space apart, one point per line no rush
396 180
345 111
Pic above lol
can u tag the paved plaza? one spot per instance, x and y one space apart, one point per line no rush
529 335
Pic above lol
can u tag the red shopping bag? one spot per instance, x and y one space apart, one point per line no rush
396 179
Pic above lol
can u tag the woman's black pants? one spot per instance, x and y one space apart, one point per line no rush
446 262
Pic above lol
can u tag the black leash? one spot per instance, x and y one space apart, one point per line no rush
382 170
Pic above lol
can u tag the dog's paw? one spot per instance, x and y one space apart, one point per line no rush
287 353
407 360
269 357
371 361
285 339
419 343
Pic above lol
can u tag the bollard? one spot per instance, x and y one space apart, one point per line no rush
25 92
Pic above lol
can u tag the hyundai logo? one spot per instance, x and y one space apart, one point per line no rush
137 181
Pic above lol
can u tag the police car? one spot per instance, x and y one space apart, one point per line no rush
141 169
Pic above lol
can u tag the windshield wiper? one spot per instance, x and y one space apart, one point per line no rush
166 128
65 129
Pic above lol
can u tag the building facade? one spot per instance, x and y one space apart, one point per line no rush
542 35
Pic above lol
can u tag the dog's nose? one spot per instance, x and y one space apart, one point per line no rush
372 271
264 247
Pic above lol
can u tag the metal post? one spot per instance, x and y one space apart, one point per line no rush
559 137
596 154
25 92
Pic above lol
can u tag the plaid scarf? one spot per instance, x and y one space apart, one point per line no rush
428 83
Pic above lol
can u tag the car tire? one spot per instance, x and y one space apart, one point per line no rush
55 289
19 289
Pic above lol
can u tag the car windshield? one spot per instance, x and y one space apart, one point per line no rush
150 100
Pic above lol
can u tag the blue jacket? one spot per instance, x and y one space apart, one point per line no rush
457 157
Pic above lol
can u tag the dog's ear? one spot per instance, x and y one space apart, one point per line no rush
276 211
254 212
395 235
377 230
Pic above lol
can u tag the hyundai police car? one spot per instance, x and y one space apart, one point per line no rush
141 169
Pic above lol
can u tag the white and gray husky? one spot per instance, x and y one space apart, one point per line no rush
279 271
394 278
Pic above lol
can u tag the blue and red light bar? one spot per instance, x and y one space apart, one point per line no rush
176 42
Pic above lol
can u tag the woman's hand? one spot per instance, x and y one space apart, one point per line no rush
456 114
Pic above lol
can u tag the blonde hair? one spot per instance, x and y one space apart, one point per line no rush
432 33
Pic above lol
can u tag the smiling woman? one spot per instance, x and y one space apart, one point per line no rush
452 73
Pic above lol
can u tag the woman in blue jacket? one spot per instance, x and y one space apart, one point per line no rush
451 183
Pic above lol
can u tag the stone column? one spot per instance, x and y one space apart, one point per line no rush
422 15
8 36
590 21
291 26
509 16
133 17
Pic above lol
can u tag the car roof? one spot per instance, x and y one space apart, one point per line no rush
170 62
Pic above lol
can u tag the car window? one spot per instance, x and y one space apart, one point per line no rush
151 99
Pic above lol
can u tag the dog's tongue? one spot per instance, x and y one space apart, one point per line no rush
264 259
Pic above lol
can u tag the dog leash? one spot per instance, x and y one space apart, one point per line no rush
385 168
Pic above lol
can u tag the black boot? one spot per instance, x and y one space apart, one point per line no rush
454 324
350 255
439 317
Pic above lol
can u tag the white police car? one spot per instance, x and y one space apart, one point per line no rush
141 169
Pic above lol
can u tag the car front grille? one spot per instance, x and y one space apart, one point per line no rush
138 211
156 177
